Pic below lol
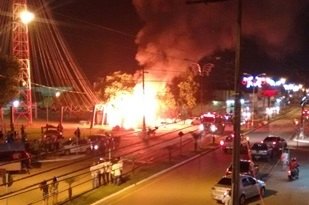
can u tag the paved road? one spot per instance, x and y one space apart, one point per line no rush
191 183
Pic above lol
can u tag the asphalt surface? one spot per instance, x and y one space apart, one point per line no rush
191 182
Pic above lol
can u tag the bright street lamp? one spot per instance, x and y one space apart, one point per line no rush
26 17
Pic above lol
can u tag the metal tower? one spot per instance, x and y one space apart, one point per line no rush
20 49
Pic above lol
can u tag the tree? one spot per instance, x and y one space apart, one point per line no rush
9 70
184 88
114 85
167 104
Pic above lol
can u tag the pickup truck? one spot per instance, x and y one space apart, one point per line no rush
74 147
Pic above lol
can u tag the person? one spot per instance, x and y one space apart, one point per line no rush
23 134
94 175
60 127
293 165
77 134
54 190
116 172
227 199
103 178
284 158
1 136
108 169
44 188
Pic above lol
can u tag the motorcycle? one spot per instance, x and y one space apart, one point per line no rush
293 174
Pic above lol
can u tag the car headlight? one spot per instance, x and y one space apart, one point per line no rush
96 147
213 128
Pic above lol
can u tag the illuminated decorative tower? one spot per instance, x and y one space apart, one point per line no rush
20 49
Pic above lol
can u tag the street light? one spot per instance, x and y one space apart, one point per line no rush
202 71
254 82
26 17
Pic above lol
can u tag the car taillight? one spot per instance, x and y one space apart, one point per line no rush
221 142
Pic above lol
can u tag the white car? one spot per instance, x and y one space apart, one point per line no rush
248 187
72 147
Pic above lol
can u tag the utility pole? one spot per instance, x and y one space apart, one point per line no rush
144 117
237 108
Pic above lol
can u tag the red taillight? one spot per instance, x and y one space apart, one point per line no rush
221 142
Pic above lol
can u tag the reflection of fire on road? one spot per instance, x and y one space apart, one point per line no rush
126 110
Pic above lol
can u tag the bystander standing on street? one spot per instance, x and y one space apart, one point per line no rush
102 172
1 136
116 173
105 174
44 188
23 134
108 171
94 177
54 190
285 158
77 135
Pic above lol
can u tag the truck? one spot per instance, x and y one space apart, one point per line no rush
213 122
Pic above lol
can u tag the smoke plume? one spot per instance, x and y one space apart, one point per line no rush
174 31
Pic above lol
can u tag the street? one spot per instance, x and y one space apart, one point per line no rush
183 185
191 183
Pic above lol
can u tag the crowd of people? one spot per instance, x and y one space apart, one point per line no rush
50 190
106 172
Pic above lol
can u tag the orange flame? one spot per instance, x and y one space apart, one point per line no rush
127 109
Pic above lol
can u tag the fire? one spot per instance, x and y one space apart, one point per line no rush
127 109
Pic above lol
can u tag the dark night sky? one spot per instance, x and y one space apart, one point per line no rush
102 34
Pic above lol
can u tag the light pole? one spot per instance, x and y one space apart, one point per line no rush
254 82
145 136
20 49
202 72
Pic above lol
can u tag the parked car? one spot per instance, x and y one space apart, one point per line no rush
261 150
246 167
248 187
74 147
276 143
227 143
